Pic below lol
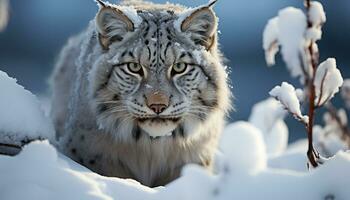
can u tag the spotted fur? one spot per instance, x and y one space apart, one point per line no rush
99 103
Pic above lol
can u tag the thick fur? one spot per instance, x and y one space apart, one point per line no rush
99 106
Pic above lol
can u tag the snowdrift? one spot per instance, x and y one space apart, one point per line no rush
247 167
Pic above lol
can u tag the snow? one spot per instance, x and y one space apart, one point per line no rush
270 40
327 142
290 160
345 92
292 26
40 172
317 16
287 95
198 56
328 79
313 34
329 139
287 30
268 116
242 137
131 13
21 117
254 161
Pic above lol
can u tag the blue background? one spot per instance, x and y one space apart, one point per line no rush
39 28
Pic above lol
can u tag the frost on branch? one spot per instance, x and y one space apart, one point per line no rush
268 117
327 81
287 95
345 92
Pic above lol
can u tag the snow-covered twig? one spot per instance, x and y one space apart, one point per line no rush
287 96
327 81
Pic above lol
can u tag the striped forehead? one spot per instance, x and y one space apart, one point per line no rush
157 33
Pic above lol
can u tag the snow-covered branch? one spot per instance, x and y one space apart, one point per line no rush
287 95
327 82
286 30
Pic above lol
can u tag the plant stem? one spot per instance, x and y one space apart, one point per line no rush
311 154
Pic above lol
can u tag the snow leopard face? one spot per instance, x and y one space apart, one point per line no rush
160 71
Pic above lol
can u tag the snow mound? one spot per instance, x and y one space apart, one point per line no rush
40 172
268 116
21 118
244 145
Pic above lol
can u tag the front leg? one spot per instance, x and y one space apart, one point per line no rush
95 150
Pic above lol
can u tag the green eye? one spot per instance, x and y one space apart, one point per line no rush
135 68
179 68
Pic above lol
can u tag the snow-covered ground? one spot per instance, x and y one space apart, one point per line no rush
254 162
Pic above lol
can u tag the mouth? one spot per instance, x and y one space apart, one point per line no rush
159 126
159 119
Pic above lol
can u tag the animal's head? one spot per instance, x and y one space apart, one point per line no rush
160 70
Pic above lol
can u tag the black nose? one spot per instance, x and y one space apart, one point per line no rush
158 108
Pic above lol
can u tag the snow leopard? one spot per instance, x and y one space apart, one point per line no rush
142 91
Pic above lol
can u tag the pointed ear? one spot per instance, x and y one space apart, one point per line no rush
112 24
201 24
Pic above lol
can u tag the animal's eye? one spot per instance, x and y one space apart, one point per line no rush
178 68
135 68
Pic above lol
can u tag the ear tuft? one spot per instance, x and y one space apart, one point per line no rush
112 24
101 3
201 24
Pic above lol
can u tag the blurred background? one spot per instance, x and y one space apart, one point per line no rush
38 29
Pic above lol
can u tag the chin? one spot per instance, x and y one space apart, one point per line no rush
157 127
